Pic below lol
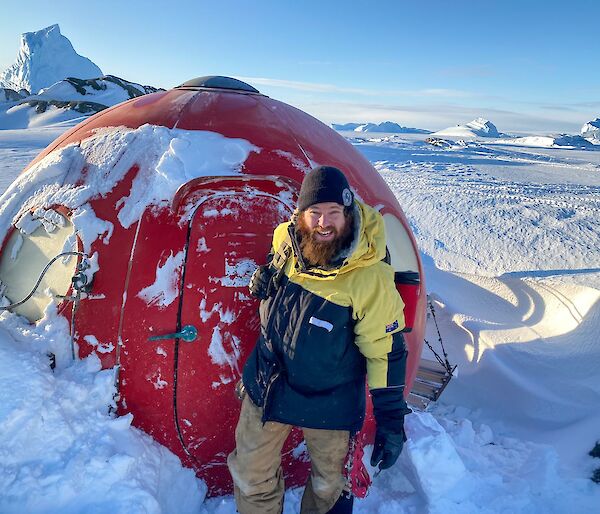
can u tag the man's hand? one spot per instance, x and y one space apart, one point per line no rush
387 448
260 282
389 408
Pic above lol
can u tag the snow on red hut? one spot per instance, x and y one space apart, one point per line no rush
160 208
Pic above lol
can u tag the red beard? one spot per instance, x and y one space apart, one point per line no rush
321 253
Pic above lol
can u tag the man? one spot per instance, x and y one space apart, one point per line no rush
330 315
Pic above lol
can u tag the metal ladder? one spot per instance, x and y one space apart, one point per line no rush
431 380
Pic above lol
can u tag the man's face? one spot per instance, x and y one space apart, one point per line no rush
324 230
325 220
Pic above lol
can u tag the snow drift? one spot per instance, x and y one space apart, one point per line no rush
63 451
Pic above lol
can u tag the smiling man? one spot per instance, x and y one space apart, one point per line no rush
330 317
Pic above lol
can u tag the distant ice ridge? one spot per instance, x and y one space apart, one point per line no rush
591 131
45 57
484 127
553 141
479 127
386 126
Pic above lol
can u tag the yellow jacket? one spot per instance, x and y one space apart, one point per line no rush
324 330
363 282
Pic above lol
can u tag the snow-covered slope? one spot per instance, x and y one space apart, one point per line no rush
107 90
45 57
22 115
68 99
10 95
479 127
509 240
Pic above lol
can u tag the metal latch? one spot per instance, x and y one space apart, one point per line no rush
80 281
187 333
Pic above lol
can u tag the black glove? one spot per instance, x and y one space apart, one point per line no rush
260 281
389 409
387 448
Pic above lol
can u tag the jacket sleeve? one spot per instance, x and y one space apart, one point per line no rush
379 320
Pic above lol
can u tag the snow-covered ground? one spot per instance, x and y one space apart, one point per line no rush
19 147
510 241
509 238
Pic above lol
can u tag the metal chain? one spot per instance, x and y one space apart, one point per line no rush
445 363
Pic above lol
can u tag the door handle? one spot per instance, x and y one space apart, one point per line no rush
187 333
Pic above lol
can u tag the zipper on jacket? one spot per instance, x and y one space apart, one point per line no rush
271 315
297 252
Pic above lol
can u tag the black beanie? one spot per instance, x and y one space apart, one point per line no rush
324 184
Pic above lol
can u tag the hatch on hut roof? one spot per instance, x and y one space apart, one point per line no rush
219 82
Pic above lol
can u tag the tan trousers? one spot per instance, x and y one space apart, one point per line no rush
255 465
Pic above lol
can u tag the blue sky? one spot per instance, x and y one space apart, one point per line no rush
529 66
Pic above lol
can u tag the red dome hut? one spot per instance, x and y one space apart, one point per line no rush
173 198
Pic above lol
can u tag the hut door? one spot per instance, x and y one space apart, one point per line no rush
229 235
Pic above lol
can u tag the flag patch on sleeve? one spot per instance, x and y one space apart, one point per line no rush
391 327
